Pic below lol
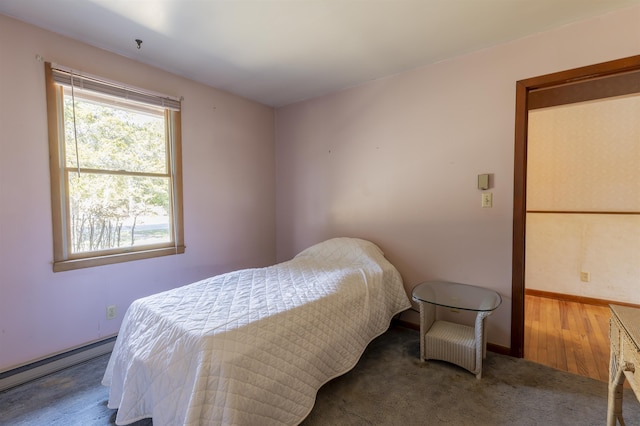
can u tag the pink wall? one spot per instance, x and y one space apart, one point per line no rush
396 160
229 193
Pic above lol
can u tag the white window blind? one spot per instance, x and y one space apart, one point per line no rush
68 77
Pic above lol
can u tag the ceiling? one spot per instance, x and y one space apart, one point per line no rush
281 51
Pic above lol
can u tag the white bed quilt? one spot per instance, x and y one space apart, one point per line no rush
252 347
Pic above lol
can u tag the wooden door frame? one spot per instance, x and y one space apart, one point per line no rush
524 89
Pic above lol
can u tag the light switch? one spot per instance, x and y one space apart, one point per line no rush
487 199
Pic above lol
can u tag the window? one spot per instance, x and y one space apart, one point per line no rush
116 181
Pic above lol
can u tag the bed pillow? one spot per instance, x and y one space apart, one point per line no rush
342 249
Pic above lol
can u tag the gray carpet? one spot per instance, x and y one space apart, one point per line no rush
389 386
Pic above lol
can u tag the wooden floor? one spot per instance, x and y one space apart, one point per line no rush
568 336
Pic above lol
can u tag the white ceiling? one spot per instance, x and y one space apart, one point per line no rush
281 51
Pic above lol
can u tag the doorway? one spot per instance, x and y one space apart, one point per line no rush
614 78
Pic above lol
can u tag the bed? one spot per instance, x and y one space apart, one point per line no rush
252 347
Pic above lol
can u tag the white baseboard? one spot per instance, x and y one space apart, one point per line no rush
50 365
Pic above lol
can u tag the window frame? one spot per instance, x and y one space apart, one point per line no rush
63 259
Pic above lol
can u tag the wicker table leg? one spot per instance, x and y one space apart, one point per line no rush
427 318
616 384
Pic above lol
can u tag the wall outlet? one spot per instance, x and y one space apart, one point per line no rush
112 312
585 276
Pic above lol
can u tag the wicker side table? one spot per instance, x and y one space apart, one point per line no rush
624 336
459 344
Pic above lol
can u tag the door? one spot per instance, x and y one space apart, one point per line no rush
615 78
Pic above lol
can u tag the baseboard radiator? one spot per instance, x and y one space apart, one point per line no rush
43 367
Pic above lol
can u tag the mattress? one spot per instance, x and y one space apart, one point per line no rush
252 347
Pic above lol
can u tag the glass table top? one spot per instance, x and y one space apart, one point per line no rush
457 296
